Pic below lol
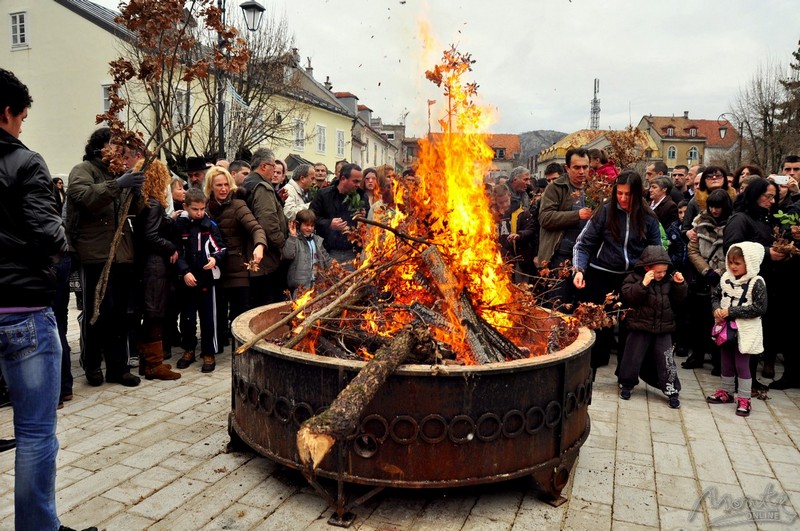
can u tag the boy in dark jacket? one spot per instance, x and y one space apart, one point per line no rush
652 294
200 249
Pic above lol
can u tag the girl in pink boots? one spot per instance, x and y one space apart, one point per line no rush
738 303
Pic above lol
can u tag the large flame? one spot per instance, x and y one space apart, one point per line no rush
444 205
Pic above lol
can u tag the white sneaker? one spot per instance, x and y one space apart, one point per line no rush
133 361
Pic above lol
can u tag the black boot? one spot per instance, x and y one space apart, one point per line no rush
694 361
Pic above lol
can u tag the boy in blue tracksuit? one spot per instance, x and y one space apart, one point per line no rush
200 249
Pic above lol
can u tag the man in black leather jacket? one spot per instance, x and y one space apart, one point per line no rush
32 240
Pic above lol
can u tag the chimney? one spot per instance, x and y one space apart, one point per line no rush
328 84
309 69
686 114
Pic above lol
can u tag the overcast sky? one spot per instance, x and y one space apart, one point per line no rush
537 59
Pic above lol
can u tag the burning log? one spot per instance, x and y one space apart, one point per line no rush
326 347
355 338
460 305
505 348
318 434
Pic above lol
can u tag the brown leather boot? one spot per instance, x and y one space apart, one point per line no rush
155 369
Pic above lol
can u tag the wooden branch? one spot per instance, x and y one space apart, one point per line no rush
294 313
102 284
318 434
335 307
398 233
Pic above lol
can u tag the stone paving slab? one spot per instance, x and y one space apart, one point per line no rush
154 457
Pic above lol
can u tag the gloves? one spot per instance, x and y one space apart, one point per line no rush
131 179
712 276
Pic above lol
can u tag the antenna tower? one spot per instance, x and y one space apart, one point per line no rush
595 112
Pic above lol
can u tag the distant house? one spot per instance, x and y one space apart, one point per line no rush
61 49
558 151
507 152
370 148
322 126
690 141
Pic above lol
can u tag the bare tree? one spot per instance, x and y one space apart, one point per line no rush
758 109
171 51
266 98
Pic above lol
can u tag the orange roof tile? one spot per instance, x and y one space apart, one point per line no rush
706 129
508 141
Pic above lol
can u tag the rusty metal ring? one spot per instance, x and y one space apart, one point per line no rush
570 405
302 406
266 400
241 387
431 419
552 414
508 432
375 419
470 434
393 429
283 417
530 426
580 392
365 446
252 395
498 428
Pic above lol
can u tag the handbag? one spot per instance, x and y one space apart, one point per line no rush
725 332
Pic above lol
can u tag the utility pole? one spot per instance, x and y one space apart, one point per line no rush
595 110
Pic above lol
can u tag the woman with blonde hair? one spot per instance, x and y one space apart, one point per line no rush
154 254
245 240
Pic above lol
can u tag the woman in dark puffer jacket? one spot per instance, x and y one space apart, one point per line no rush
245 239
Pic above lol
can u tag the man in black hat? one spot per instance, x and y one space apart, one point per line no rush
196 169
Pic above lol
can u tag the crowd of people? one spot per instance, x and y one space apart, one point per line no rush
686 252
698 256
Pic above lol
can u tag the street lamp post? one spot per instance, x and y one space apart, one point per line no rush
253 12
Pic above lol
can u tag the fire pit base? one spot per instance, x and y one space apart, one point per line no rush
428 426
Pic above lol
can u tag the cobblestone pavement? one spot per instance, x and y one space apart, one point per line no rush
154 457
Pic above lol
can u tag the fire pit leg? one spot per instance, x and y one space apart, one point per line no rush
554 476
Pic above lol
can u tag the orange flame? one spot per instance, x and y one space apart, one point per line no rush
446 205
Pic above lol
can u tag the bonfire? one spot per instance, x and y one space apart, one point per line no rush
435 262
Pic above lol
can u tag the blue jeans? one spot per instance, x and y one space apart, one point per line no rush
30 358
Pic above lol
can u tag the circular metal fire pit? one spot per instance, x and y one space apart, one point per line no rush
428 427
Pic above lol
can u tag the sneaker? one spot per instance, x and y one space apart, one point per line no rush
625 394
674 402
743 407
133 360
720 396
186 360
209 364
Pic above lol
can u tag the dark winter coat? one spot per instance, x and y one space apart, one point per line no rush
744 227
154 247
31 233
666 212
597 246
93 203
266 207
556 214
199 240
327 205
652 306
242 233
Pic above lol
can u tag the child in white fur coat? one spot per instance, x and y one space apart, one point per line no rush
741 297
